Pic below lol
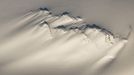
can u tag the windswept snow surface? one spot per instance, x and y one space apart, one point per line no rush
46 44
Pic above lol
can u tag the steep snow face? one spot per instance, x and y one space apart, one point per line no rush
42 43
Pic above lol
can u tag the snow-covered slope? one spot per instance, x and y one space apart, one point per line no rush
46 44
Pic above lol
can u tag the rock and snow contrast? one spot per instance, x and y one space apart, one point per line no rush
46 44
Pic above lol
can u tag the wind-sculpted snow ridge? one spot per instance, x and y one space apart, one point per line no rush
40 43
67 23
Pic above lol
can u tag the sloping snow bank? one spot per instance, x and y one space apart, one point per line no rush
41 43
